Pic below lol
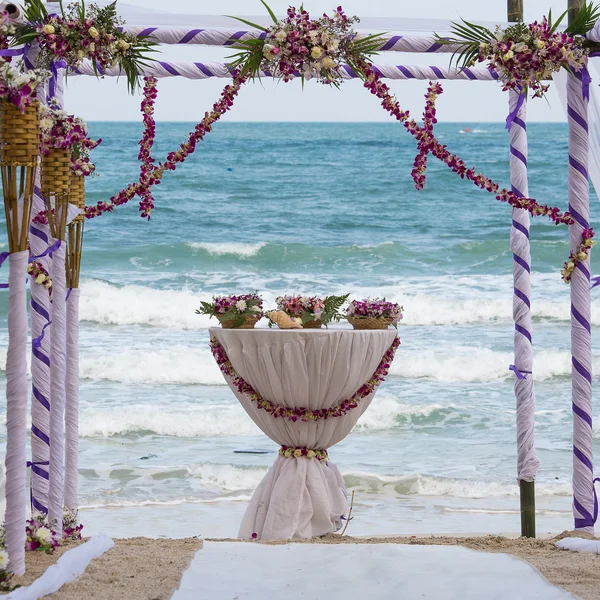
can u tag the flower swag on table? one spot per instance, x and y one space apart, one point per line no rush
312 311
234 312
82 32
374 314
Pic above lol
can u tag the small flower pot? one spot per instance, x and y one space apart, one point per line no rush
316 324
369 322
249 322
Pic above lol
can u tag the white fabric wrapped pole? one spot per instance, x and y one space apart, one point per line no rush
39 240
72 400
527 462
301 497
16 413
581 348
57 396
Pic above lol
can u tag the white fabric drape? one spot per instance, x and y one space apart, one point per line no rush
316 369
72 400
16 413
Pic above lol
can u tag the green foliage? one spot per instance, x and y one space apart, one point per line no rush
333 306
584 20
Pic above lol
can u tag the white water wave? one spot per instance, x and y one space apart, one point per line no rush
223 248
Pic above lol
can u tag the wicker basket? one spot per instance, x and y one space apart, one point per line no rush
249 322
19 135
56 173
316 324
370 322
77 194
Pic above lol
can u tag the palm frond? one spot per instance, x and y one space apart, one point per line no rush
271 13
250 23
584 19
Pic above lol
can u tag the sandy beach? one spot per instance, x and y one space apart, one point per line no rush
151 569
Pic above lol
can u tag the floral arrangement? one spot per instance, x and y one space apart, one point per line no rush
40 537
5 575
78 33
60 131
379 308
7 29
524 56
287 452
312 308
300 413
313 48
71 527
39 275
579 255
233 308
20 87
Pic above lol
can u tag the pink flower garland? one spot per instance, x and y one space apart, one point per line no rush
300 413
152 175
427 142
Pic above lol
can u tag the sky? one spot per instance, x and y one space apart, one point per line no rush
183 100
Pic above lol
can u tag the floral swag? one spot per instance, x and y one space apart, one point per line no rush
300 413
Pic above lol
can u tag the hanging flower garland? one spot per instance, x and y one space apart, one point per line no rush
304 414
39 275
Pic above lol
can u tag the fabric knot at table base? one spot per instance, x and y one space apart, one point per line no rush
287 452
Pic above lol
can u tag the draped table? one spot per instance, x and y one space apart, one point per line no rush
305 389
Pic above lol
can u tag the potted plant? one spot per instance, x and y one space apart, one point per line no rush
234 312
373 314
313 311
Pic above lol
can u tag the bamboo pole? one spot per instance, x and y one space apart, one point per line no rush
574 6
515 10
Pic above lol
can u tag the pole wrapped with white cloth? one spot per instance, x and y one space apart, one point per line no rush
527 461
16 412
57 396
584 507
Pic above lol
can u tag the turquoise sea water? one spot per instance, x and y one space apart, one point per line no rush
320 208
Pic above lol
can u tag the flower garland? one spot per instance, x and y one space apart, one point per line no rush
7 29
141 188
289 452
430 143
304 414
424 147
39 275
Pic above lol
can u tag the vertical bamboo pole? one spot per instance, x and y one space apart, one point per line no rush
527 462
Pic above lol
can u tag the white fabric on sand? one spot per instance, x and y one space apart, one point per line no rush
70 566
250 571
302 498
579 545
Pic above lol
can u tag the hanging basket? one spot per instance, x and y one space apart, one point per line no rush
56 173
249 322
19 135
369 322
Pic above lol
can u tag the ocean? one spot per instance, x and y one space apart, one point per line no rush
320 209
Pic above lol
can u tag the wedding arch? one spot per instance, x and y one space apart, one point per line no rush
48 245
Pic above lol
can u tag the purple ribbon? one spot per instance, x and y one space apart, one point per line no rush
48 250
596 281
519 373
513 114
31 463
17 52
37 342
68 293
586 80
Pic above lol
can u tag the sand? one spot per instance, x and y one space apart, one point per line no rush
149 569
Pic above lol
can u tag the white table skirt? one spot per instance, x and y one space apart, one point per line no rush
314 369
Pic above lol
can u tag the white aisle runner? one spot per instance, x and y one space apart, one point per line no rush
247 571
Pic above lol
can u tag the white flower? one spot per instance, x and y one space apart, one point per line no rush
255 308
123 45
281 35
43 535
3 560
316 52
270 51
48 28
509 55
539 44
40 278
93 32
333 46
46 123
241 305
